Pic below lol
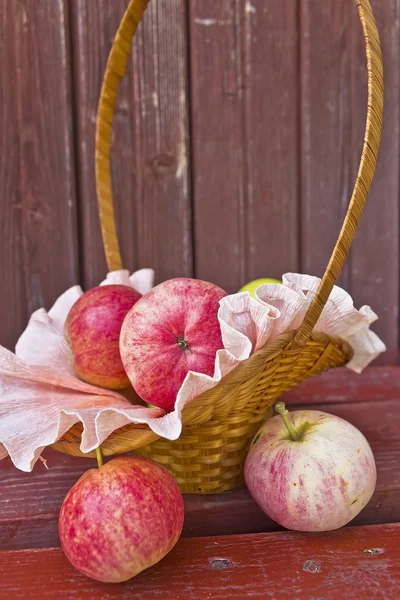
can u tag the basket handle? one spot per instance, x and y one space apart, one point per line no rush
115 70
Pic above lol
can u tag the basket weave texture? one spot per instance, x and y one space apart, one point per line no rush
218 426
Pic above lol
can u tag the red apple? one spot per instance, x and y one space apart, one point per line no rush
120 519
93 327
170 331
311 471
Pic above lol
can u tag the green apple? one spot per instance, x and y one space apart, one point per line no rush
253 285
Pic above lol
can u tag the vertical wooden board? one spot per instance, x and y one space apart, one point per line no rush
245 145
150 146
47 181
38 213
327 29
158 105
334 99
375 254
217 142
271 136
12 302
164 219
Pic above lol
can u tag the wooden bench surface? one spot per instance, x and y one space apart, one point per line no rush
29 505
352 563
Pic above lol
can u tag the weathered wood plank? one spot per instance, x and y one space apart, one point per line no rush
333 109
47 163
13 302
218 153
355 562
375 261
344 386
271 101
150 148
33 523
244 126
326 150
39 202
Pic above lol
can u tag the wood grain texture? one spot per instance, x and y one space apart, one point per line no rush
344 386
29 502
279 565
375 265
333 109
271 137
13 303
217 132
38 204
244 126
47 164
150 148
326 151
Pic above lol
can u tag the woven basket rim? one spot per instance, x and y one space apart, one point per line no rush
194 413
262 356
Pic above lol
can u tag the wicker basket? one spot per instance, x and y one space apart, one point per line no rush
219 425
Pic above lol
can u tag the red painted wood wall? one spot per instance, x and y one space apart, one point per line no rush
237 139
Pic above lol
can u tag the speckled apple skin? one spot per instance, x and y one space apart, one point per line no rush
93 327
150 353
317 484
120 519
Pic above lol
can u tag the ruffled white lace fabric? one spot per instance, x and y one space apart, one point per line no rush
41 397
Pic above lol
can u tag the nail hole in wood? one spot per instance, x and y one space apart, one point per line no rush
374 551
311 567
221 563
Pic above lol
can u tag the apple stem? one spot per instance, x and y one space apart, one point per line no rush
182 343
282 410
99 457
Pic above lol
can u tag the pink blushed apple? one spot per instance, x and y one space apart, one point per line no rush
120 519
92 329
172 330
310 471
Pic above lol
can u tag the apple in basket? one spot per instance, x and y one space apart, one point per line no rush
92 329
310 471
252 286
173 329
120 519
